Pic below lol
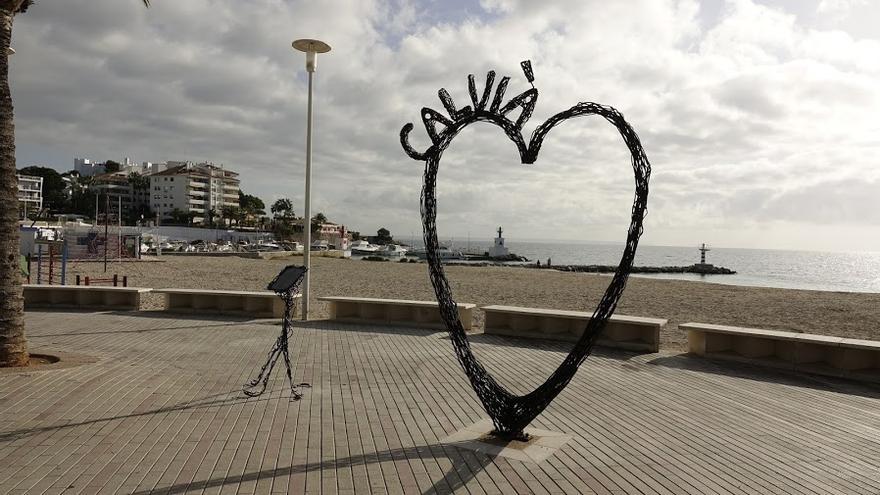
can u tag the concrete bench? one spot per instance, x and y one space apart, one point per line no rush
820 354
81 296
260 304
632 333
424 314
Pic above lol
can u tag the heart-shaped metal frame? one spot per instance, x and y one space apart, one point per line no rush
512 413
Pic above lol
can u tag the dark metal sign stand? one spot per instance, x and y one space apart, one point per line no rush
286 285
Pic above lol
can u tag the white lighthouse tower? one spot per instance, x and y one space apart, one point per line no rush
499 250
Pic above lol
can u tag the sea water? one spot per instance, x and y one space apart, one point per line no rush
812 270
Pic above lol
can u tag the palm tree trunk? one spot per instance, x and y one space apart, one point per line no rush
13 344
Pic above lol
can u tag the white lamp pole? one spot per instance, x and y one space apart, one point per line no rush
311 48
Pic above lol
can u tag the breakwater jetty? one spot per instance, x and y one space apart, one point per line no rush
701 268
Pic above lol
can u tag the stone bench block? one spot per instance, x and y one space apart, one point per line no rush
423 314
259 304
624 332
82 296
818 354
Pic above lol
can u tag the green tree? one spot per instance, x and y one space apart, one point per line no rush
241 216
137 213
283 218
251 205
110 166
210 215
140 187
76 181
383 236
54 187
138 182
230 214
81 198
13 343
317 221
178 216
251 209
282 208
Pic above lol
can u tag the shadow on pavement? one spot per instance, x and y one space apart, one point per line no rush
768 374
216 400
466 464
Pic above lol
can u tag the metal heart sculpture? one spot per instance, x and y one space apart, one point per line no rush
511 413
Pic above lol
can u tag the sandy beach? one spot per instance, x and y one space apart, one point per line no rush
830 313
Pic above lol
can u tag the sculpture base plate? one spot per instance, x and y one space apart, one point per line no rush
541 444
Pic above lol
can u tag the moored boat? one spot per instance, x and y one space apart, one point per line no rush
391 251
362 247
320 245
444 252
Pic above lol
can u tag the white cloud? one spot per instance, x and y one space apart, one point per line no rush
838 8
749 121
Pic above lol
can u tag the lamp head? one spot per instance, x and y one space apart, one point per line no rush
312 48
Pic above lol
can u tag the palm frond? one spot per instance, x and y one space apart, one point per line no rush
24 6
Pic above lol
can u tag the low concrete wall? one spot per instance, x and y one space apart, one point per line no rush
81 296
217 254
809 353
424 314
632 333
268 255
260 255
259 304
271 255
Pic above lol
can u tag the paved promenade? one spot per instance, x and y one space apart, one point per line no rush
151 404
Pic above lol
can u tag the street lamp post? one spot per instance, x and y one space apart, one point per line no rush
311 48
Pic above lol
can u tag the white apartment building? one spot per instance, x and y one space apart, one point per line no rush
144 168
194 188
30 195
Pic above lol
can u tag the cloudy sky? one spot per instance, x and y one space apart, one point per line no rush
761 118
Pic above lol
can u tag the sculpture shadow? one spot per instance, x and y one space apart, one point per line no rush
159 314
457 477
215 400
137 330
339 326
760 373
545 345
190 319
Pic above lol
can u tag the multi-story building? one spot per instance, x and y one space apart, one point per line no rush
119 190
198 189
336 234
87 168
144 168
30 195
